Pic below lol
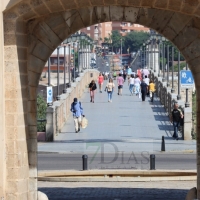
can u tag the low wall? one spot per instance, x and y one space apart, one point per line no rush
58 113
167 98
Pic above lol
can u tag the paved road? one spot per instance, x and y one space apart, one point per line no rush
165 190
55 161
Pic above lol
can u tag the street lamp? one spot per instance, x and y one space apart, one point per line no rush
163 61
58 74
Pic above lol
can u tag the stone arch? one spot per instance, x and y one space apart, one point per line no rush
34 28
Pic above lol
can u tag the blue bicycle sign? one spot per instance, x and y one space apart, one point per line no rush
186 79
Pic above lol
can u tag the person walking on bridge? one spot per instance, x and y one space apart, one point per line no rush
131 83
110 88
100 82
77 111
144 88
137 83
92 88
176 117
120 82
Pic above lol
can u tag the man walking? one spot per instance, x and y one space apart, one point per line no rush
144 88
176 117
77 111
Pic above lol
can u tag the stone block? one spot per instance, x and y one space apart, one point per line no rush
187 35
188 115
160 4
35 64
193 50
32 145
33 78
131 14
32 93
32 171
187 130
97 2
175 5
75 22
10 53
32 118
32 184
134 2
88 16
69 4
189 6
102 14
42 52
45 34
55 6
41 10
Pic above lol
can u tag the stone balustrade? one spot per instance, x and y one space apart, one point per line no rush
167 99
58 113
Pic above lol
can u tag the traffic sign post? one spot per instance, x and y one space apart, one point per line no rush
186 79
49 95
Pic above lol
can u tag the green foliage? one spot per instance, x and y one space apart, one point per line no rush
194 116
41 112
182 65
132 41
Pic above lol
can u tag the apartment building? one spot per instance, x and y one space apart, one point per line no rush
105 29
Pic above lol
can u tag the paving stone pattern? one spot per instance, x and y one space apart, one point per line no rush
165 190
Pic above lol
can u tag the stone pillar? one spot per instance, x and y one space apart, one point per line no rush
19 145
2 108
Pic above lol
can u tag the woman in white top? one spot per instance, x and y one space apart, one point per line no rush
137 83
131 83
110 87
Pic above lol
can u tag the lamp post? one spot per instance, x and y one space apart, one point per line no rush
144 47
65 89
163 42
121 50
167 65
151 56
179 95
49 73
69 64
187 104
58 74
140 57
172 90
159 41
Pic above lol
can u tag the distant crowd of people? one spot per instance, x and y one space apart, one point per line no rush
139 83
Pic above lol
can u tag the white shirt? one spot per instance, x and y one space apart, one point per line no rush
146 80
132 81
137 81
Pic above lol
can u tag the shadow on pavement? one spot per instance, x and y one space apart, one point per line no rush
92 193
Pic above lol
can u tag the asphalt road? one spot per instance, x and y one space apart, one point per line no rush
56 161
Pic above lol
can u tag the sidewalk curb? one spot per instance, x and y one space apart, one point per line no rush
118 176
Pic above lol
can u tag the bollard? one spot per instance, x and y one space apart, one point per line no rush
85 162
152 162
163 144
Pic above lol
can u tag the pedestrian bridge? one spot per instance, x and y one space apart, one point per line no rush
125 125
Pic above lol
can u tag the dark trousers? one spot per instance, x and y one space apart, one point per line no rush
143 95
176 127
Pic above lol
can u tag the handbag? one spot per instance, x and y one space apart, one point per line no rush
84 122
139 95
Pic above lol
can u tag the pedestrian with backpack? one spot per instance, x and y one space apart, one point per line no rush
77 111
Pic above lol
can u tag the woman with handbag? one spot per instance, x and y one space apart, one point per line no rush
110 87
92 88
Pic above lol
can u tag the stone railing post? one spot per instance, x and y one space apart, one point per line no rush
187 127
50 124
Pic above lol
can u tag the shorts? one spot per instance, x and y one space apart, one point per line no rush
120 86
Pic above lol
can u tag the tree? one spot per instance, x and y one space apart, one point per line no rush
116 40
134 40
41 112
